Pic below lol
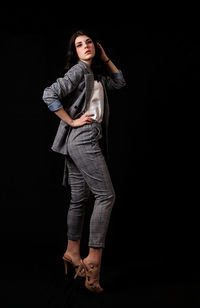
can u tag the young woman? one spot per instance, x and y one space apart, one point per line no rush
84 121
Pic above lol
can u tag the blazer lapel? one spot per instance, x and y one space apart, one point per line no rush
89 84
89 81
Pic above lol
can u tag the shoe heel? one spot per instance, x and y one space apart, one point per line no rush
66 265
78 268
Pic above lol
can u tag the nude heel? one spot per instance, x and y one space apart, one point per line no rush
65 264
78 266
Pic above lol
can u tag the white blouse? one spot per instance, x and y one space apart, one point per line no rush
96 104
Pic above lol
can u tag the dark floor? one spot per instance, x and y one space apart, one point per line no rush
161 268
31 283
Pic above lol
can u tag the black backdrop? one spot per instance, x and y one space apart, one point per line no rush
150 145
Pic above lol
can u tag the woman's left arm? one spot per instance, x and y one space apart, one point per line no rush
116 79
104 58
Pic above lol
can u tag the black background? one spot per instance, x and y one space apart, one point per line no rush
154 221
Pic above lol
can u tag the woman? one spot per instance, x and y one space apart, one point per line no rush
84 120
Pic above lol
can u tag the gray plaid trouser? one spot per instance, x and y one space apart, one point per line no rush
87 171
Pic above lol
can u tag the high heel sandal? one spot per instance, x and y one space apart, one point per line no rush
92 278
78 266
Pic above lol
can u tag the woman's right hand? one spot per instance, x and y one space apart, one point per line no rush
84 119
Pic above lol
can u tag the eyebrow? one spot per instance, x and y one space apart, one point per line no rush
81 41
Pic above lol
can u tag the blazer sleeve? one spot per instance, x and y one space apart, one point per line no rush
62 87
114 81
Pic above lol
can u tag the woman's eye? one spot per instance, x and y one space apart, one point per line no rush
88 42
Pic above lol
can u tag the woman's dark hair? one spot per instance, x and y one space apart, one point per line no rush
72 58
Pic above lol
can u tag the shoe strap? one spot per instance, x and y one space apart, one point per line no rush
69 259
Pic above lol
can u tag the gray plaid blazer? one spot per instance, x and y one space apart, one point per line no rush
72 92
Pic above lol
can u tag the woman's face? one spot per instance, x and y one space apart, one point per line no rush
85 48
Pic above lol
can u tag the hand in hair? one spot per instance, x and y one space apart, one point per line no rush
103 55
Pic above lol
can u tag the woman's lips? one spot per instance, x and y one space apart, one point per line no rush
88 51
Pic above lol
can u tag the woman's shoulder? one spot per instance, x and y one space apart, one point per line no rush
76 68
80 67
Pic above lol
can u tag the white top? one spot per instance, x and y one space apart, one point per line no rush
96 104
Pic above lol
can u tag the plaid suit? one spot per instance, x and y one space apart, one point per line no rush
85 166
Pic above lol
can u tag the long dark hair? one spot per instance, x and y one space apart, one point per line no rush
72 58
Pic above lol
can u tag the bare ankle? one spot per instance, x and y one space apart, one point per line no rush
91 260
94 256
72 253
73 248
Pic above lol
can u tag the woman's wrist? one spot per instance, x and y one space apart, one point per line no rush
106 61
63 115
71 123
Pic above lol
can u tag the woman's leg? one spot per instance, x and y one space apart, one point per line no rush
75 218
73 249
85 151
94 256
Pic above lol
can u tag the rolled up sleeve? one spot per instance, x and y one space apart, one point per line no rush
115 80
54 94
56 105
117 75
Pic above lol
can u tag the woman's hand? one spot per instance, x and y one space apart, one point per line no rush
103 55
84 119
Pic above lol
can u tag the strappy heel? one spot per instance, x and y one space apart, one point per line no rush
78 266
92 278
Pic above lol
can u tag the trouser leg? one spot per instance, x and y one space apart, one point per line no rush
84 149
79 196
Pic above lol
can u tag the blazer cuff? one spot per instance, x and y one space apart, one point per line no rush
117 75
56 105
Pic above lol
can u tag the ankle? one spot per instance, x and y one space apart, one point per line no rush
73 248
92 260
94 257
72 252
